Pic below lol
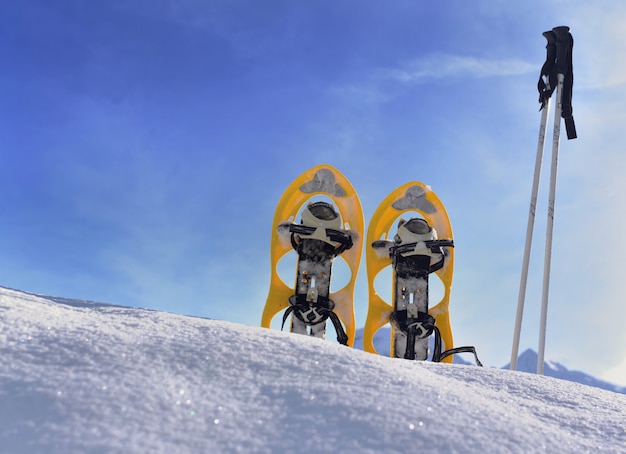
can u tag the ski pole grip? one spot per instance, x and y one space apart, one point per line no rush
563 49
550 37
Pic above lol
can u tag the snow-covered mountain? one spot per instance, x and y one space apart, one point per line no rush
527 362
77 377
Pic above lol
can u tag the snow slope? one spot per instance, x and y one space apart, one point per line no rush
526 362
82 378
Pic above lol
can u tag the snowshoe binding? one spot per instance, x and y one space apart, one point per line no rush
317 240
415 253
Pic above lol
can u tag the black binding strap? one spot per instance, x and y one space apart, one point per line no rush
299 307
435 246
422 327
438 355
343 238
342 337
419 328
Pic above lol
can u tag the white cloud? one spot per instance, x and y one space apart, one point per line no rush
616 374
599 54
438 66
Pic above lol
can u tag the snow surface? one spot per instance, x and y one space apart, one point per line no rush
89 378
526 362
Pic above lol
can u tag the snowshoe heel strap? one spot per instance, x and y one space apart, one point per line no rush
438 355
288 311
466 349
342 337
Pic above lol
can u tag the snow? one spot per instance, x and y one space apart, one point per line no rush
526 362
78 377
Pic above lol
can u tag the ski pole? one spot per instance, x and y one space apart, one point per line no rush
557 73
563 67
545 93
550 226
529 233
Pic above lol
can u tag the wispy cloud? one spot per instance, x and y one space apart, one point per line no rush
439 66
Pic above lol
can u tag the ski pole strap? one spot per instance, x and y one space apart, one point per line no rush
547 75
558 61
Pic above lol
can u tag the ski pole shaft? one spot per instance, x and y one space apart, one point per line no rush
529 234
550 226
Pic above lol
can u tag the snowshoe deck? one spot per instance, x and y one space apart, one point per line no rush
411 197
313 262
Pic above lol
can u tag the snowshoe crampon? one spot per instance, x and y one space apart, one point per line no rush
414 252
324 231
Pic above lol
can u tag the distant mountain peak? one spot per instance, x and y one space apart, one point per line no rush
527 362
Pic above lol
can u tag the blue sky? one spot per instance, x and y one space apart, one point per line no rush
145 144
